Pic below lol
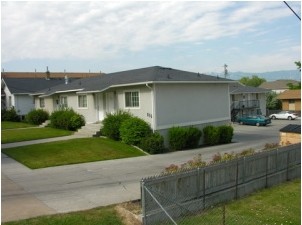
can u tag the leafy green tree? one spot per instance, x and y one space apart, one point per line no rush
272 102
254 81
294 86
298 64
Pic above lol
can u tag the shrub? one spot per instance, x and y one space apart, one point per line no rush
177 138
211 135
10 115
133 130
153 144
193 137
184 137
66 119
37 116
112 124
225 134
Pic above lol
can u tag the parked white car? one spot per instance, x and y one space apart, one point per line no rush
286 115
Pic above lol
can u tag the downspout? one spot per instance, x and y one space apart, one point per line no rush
152 106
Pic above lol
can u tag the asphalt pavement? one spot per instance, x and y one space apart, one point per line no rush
29 193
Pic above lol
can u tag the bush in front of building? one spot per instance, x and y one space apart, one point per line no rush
37 116
225 134
66 119
112 124
134 130
183 137
9 115
211 135
153 144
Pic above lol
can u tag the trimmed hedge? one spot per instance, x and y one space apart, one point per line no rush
112 124
225 134
133 130
211 135
66 119
183 137
218 135
153 144
37 116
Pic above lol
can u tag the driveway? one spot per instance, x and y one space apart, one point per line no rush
84 186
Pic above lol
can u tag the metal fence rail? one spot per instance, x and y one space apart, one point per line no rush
167 198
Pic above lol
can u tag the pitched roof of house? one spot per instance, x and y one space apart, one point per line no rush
291 128
238 88
51 74
30 85
154 74
278 84
290 94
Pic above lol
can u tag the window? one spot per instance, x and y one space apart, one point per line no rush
82 101
132 99
42 102
63 101
291 101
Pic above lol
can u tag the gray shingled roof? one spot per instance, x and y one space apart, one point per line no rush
154 74
30 85
238 88
291 128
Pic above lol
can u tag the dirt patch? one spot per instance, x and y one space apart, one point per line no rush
130 212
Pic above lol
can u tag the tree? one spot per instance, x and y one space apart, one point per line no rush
294 86
298 64
255 81
272 102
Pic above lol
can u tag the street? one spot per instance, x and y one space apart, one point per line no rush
83 186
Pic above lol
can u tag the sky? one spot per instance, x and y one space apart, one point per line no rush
197 36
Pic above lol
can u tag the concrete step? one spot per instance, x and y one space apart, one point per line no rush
45 123
89 130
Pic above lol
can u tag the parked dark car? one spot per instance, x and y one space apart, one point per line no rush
255 120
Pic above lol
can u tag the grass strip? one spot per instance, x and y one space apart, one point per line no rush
18 135
71 152
15 125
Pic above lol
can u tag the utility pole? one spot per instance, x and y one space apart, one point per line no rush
225 70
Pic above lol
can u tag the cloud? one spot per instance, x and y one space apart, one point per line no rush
83 30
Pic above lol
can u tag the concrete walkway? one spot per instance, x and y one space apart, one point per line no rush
88 185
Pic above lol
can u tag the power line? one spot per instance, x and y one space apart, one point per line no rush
292 10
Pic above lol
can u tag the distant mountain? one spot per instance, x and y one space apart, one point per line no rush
269 76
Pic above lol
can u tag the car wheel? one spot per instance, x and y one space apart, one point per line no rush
273 117
290 118
257 124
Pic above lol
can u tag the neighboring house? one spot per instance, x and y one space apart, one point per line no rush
278 86
247 101
291 100
163 97
17 87
290 134
17 92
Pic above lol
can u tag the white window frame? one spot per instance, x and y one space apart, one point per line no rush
132 106
84 106
63 101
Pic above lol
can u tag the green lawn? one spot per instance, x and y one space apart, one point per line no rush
98 216
14 125
71 152
17 135
277 205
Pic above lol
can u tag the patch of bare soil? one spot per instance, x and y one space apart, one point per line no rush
130 212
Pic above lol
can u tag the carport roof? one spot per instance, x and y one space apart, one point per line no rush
238 88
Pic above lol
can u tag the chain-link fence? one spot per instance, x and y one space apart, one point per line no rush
199 196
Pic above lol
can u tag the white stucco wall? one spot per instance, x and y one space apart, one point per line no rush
191 104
